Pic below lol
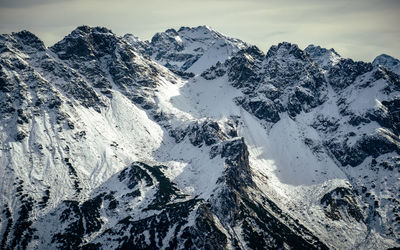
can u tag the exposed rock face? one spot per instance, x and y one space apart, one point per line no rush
108 61
286 79
345 73
341 201
199 134
195 140
256 217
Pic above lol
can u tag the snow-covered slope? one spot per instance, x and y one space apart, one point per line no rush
102 147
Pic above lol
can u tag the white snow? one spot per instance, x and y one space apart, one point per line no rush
284 168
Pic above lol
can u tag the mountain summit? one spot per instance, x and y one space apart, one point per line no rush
389 62
190 49
195 140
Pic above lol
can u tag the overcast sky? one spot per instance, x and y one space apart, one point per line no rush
359 29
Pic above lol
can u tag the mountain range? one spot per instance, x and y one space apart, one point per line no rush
195 140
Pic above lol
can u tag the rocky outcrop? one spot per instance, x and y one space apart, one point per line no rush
206 133
262 224
341 202
345 72
107 60
285 79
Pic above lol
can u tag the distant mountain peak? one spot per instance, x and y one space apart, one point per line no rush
204 28
326 58
25 38
86 41
388 62
191 49
318 50
26 35
90 29
285 49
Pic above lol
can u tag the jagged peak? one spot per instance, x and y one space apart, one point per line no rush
318 50
134 40
132 37
25 34
171 31
284 49
205 28
325 58
87 29
184 49
252 51
137 44
199 32
85 32
25 38
287 45
86 41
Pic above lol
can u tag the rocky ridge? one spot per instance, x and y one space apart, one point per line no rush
109 142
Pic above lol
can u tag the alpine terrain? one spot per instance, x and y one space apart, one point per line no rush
195 140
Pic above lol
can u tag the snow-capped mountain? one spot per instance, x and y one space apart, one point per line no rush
191 50
195 140
388 62
323 57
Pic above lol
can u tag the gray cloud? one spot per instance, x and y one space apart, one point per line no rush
27 3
